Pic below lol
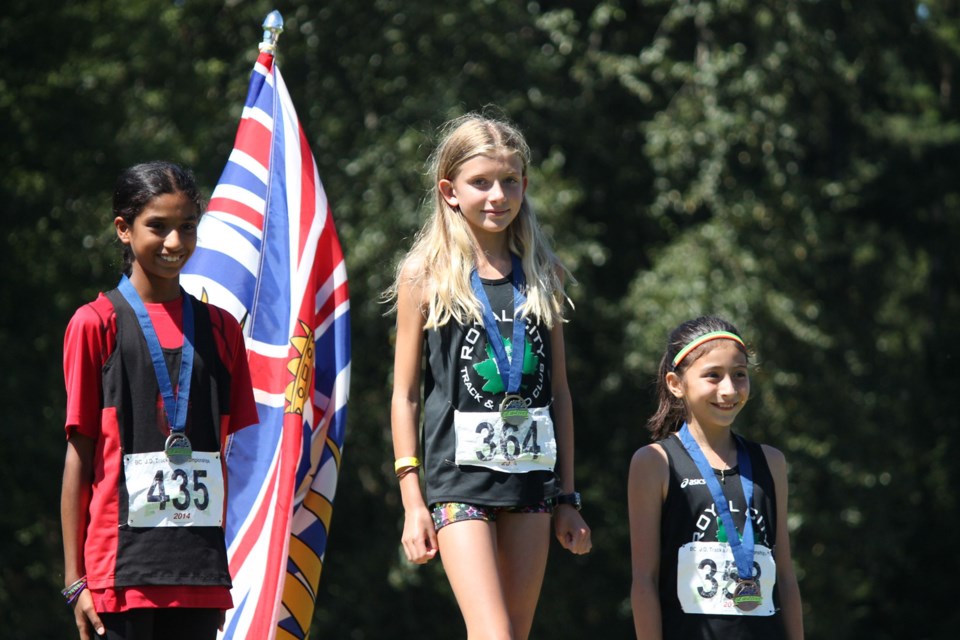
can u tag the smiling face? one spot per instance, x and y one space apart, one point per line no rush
715 386
488 191
161 238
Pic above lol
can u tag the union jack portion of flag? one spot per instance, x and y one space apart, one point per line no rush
269 254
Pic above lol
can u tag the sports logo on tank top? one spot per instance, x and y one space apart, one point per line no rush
709 526
481 378
497 428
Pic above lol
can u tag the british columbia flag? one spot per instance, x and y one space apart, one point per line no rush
269 254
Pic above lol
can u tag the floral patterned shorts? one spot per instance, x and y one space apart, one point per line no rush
445 513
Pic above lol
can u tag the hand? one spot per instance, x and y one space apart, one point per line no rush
86 616
572 532
419 536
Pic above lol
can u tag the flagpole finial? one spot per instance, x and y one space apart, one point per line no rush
272 28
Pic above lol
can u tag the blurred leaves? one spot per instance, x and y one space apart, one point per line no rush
789 164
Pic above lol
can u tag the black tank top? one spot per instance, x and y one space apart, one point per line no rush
165 555
457 370
689 515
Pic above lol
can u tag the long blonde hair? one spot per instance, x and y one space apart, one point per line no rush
444 251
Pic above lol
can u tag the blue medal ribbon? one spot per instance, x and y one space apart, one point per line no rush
742 549
174 404
513 365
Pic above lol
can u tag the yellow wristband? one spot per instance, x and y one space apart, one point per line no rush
408 461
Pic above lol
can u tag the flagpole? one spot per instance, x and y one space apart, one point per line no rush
272 28
269 253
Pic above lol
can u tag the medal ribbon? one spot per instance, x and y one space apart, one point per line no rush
175 405
513 365
742 550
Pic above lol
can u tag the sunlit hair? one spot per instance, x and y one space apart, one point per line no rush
140 184
444 252
671 410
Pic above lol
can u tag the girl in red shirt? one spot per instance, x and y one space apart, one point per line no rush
156 380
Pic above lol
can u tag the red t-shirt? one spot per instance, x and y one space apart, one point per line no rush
90 339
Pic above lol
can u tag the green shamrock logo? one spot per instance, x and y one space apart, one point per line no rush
491 374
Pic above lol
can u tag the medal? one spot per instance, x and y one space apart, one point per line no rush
178 448
514 409
175 402
747 596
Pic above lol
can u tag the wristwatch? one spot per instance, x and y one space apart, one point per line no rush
572 499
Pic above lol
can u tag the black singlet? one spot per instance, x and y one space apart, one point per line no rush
456 373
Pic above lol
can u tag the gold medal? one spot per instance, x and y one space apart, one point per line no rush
514 409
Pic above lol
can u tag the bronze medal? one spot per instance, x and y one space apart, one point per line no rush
178 448
747 596
514 410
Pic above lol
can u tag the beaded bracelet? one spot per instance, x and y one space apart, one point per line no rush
73 592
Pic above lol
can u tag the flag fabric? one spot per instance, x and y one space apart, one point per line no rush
269 254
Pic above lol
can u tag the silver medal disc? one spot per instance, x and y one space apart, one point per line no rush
178 448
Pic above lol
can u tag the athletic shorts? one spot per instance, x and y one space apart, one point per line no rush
158 624
445 513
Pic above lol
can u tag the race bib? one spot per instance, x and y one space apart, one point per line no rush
707 577
162 494
485 440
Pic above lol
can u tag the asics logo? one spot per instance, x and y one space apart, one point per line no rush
691 482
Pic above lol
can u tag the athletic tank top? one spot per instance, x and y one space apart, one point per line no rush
689 515
461 375
164 555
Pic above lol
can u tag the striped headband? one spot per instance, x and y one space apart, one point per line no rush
707 337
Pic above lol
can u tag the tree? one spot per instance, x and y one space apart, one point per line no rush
785 163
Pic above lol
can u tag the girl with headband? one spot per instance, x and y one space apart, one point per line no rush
708 508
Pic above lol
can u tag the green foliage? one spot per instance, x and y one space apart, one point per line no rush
788 164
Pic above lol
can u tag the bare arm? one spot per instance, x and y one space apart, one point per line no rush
790 604
74 503
570 528
419 537
646 489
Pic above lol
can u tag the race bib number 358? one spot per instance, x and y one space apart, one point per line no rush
163 494
707 577
485 440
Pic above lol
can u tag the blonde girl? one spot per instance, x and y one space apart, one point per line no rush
479 300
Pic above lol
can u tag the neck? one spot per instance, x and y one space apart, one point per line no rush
717 444
493 257
155 289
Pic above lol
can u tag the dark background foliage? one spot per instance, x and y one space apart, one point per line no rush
789 164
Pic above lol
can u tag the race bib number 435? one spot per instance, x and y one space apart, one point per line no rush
707 577
485 440
163 494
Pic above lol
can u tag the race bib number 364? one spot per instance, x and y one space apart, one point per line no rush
707 577
484 440
163 494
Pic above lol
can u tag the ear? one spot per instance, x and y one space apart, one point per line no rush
524 185
123 229
448 193
674 384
